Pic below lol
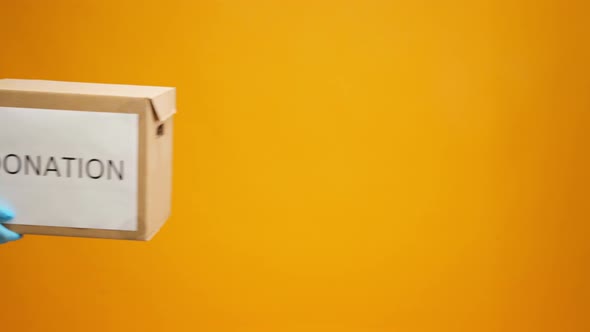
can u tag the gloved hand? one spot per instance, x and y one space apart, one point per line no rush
7 235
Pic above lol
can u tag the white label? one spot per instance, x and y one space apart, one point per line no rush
69 168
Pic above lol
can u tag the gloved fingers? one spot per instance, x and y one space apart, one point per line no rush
7 235
5 215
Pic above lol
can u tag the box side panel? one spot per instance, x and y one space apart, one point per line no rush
92 104
159 173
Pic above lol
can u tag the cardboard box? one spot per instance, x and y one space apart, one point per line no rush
86 160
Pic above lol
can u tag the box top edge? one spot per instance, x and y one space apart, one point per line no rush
100 89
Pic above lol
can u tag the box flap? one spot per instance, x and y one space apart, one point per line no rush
164 105
163 99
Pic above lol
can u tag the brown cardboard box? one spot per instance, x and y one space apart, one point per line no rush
153 107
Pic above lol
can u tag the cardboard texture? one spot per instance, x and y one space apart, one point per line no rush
155 107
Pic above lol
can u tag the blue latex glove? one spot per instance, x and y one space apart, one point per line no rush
7 235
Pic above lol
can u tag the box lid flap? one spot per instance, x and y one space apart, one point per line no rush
163 99
164 104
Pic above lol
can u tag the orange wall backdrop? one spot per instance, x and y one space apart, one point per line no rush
350 165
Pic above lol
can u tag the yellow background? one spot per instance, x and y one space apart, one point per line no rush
351 165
